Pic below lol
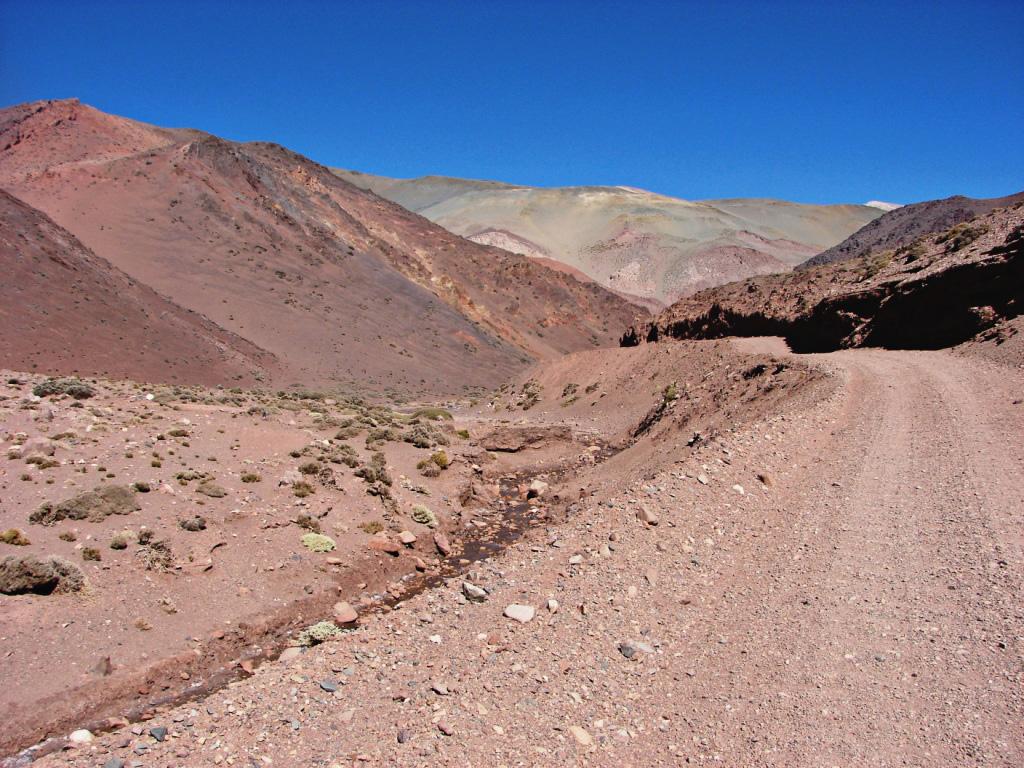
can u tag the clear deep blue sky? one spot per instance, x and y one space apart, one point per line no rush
817 102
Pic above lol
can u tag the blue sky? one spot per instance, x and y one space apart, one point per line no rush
815 101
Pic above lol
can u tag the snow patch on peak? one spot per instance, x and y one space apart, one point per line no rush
882 206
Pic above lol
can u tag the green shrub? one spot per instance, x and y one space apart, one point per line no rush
424 516
434 414
317 542
72 387
317 633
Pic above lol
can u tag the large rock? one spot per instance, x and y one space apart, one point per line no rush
520 613
94 505
29 574
345 613
514 439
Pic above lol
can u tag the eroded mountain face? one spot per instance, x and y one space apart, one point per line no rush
634 242
341 286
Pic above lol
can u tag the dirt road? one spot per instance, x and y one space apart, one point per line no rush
861 607
887 629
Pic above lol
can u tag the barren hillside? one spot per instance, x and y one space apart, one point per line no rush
63 309
630 240
342 286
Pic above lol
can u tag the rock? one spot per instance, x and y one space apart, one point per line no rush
536 489
40 447
631 648
765 479
647 515
95 506
345 613
445 728
403 735
81 736
442 543
702 479
739 489
212 490
575 559
114 762
513 439
440 689
24 574
520 613
473 592
408 538
159 733
329 685
290 653
552 606
291 477
195 523
381 544
583 738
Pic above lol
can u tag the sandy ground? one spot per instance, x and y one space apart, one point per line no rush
859 604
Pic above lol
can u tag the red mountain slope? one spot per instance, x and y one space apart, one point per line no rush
343 286
63 309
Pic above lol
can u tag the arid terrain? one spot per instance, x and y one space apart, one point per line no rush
643 245
290 475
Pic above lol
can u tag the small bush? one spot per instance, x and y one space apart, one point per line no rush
309 523
463 433
317 633
91 553
141 487
250 477
14 537
317 542
372 527
309 468
178 432
120 541
72 387
68 536
438 461
961 236
156 555
302 489
424 516
194 523
434 414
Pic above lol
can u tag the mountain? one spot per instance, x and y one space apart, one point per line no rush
635 242
341 286
63 309
903 224
938 291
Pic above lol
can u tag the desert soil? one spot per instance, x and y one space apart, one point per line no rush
835 583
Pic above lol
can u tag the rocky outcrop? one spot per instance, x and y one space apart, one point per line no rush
939 292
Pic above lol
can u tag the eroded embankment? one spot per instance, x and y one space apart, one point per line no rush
932 295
